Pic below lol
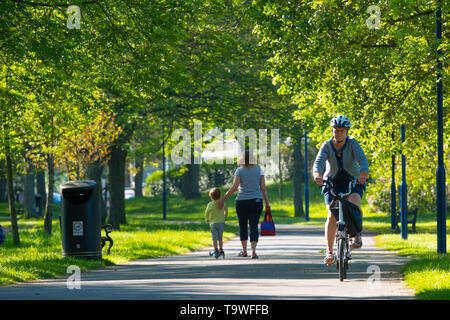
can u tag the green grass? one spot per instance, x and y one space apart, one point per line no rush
428 273
147 235
39 256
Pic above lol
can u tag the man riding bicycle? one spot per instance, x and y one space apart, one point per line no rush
340 154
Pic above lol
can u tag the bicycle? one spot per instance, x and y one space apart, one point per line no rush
343 239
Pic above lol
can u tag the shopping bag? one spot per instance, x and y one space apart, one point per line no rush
268 226
352 218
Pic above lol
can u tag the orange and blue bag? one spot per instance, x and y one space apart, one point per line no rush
268 226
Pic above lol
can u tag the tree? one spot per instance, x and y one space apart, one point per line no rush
36 80
97 130
11 122
122 48
327 59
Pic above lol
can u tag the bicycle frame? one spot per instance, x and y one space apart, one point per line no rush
340 196
342 238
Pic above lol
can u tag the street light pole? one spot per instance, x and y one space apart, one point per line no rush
404 193
440 172
393 192
306 179
164 199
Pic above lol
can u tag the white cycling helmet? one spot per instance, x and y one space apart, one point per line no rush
340 122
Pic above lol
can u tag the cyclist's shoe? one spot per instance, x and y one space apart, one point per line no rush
329 259
357 243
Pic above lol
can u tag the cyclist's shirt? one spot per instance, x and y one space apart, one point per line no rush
352 157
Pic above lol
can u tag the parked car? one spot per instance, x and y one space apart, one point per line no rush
56 197
129 193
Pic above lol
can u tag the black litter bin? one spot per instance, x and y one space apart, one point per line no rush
80 220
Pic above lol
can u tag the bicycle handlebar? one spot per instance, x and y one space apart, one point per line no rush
353 181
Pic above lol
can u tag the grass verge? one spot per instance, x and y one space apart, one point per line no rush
428 273
39 255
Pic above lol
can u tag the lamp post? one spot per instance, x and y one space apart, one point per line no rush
393 193
306 179
440 172
403 193
164 199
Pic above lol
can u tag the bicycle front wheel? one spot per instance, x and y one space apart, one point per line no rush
341 264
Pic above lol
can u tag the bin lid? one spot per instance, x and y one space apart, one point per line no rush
78 184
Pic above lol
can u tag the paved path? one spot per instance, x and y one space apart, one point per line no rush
290 267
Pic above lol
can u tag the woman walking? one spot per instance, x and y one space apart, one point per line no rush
250 183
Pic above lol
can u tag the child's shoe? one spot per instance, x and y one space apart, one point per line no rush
215 254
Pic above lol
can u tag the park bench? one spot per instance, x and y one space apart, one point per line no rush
108 229
412 218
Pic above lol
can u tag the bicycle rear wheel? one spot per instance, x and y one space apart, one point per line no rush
341 264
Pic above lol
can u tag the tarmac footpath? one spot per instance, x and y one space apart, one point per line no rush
290 266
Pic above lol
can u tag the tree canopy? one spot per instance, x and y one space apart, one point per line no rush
85 82
328 57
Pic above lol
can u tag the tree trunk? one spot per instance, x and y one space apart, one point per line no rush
190 182
298 178
94 172
219 176
48 216
29 195
138 178
116 181
12 208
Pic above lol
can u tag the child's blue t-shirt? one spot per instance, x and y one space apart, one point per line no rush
249 185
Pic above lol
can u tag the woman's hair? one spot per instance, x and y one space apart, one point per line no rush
214 193
247 159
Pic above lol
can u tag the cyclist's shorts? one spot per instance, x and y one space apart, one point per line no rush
328 197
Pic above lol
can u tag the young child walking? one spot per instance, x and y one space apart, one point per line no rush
216 218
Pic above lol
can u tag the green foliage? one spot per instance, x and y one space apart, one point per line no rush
379 197
326 59
154 182
211 175
147 63
89 145
215 175
419 196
